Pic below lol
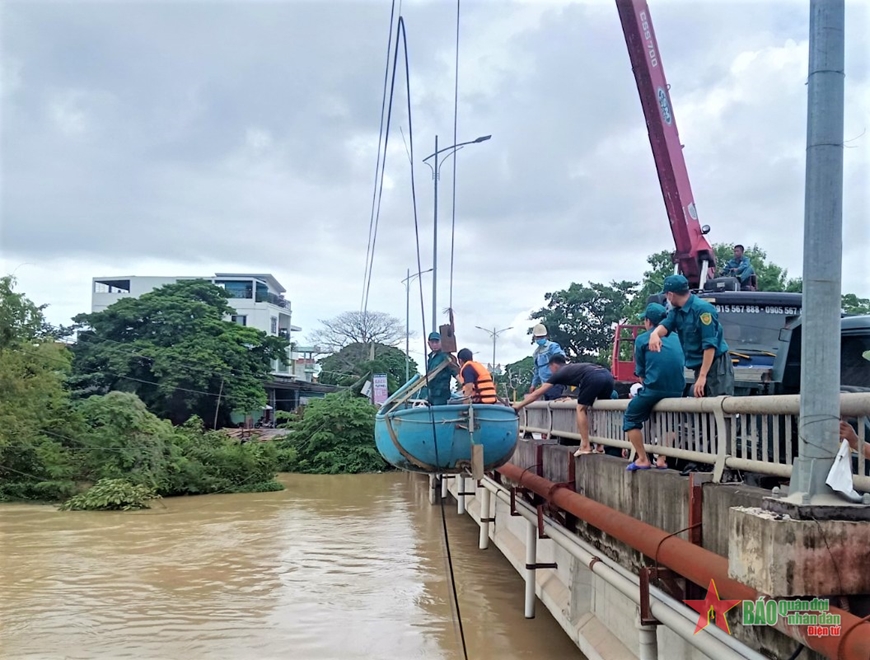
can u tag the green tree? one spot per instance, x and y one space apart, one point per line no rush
174 349
516 377
852 304
581 318
334 436
770 276
353 363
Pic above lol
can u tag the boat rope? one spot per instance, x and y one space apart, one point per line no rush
370 248
455 156
400 32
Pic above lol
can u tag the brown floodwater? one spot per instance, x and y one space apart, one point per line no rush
332 567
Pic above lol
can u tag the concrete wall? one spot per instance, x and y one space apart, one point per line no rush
580 600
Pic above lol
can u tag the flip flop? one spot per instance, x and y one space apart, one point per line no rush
661 467
580 452
633 467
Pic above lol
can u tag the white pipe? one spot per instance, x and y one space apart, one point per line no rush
460 498
444 487
483 544
647 640
531 560
671 613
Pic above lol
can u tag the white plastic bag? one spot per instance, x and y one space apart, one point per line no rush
840 476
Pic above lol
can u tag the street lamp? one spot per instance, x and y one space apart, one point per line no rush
435 172
407 283
494 334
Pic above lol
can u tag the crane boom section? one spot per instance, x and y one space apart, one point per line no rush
692 248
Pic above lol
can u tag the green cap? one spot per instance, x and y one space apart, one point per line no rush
676 284
655 313
434 336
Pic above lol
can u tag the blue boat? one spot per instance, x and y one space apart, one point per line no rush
444 439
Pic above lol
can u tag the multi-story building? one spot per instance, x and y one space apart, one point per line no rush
258 300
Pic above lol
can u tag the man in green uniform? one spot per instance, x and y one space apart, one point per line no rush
439 384
740 267
661 373
701 335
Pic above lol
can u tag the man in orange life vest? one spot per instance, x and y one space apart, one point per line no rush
476 381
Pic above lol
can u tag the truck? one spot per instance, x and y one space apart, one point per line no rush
762 328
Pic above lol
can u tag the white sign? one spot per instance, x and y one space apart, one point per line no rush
380 389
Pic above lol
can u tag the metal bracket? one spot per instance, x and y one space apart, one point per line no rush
514 511
492 520
693 591
469 493
535 567
541 533
668 577
646 617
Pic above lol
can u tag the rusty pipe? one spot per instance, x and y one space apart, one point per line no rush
691 561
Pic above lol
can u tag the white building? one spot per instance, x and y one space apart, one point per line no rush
258 300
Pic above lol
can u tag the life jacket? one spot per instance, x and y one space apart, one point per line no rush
484 388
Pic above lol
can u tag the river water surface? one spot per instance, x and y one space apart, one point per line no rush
332 567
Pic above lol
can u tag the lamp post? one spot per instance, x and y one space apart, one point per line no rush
407 283
436 168
494 334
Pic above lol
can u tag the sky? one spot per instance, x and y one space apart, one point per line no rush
189 138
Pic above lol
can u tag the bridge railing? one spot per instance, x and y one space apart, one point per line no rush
755 434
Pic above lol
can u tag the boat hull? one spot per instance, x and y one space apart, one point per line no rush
436 439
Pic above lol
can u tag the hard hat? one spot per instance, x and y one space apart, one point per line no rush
539 330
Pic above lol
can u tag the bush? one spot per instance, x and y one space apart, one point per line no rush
111 495
334 436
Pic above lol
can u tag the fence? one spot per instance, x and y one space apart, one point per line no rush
755 434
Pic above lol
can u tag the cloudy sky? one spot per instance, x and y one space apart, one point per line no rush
185 138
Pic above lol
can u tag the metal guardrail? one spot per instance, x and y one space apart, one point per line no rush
756 434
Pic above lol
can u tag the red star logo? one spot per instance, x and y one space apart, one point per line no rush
712 610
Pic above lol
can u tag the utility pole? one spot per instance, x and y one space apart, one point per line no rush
436 170
494 334
818 428
407 283
435 247
217 406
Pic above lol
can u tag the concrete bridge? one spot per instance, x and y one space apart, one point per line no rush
614 555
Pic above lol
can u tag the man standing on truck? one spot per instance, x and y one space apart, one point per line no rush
740 267
544 350
592 382
662 375
696 322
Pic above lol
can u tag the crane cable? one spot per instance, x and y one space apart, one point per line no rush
400 31
455 126
370 248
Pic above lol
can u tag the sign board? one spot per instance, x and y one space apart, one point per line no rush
379 389
758 309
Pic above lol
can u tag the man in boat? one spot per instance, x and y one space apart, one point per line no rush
592 382
544 350
662 376
477 383
696 322
439 384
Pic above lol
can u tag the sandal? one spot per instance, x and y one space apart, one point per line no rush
583 452
634 467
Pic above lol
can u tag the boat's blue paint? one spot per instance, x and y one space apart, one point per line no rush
433 439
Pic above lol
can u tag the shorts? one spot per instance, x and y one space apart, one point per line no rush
720 378
595 386
555 392
640 408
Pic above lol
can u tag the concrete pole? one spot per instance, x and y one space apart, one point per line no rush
531 560
647 640
823 254
433 488
435 247
483 541
460 498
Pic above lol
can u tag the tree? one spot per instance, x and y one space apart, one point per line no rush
358 328
335 436
353 363
770 276
174 349
516 377
852 304
581 318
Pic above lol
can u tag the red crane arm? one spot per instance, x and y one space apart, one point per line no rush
692 248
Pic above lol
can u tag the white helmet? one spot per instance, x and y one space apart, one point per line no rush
634 390
540 330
